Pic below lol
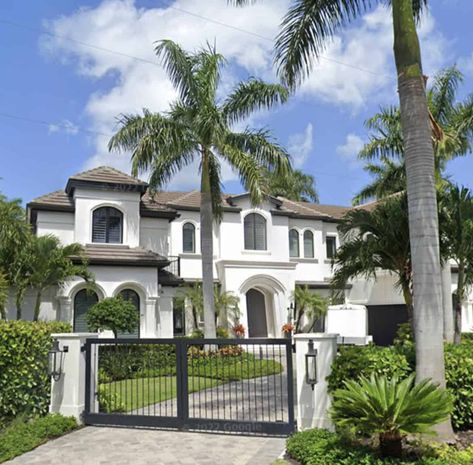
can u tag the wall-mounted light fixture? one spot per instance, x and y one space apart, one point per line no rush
55 358
311 365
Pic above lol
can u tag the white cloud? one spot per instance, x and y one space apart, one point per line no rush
65 126
300 145
133 84
350 149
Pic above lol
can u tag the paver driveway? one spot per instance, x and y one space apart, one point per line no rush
123 446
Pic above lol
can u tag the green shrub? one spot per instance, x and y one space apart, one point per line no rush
20 436
390 409
353 362
24 381
222 333
321 447
467 338
459 375
197 334
109 401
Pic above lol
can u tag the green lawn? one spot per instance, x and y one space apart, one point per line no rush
132 394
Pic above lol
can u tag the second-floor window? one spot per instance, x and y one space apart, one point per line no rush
188 238
107 225
293 243
331 244
308 244
255 232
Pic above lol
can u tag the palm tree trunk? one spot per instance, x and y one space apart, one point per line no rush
422 202
459 304
206 245
390 445
448 329
37 305
406 292
18 302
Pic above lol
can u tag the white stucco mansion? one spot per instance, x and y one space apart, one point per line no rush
147 248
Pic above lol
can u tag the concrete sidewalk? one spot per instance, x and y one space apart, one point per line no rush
124 446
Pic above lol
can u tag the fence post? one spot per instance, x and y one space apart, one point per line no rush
313 404
68 392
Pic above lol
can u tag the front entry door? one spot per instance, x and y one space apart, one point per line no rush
256 311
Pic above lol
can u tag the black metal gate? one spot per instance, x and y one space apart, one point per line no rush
232 385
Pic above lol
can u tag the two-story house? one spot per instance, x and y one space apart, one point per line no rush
147 248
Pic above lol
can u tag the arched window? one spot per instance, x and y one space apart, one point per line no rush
188 238
83 301
255 232
308 244
107 225
293 243
134 298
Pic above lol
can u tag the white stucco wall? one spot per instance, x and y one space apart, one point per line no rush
154 235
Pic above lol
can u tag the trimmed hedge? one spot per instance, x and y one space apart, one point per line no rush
24 381
353 362
20 437
322 447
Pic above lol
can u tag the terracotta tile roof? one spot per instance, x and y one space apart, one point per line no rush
98 254
58 199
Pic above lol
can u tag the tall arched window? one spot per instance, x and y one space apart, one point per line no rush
107 225
255 232
188 238
83 301
308 244
134 298
293 243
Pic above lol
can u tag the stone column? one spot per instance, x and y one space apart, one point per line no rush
165 304
68 393
313 405
150 318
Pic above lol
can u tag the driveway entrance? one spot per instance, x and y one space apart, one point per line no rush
123 446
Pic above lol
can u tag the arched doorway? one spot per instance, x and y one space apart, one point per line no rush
256 312
83 301
134 298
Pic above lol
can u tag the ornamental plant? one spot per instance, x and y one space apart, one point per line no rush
390 408
238 330
287 328
115 314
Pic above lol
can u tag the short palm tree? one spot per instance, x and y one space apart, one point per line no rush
306 29
452 134
456 228
308 304
390 408
297 186
52 265
373 240
199 128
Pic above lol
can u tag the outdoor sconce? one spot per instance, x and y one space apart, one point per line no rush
55 360
311 365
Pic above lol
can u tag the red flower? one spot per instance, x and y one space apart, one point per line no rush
287 328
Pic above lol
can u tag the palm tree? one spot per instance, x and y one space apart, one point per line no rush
456 226
52 266
198 128
297 186
3 295
452 124
309 304
371 243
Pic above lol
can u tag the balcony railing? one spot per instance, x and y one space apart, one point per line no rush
175 266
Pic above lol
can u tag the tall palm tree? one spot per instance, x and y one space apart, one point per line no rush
306 29
371 243
452 124
52 265
198 128
297 186
456 226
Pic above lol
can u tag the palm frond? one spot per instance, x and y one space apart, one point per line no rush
250 96
443 92
207 75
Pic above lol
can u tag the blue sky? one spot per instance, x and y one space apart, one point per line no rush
77 90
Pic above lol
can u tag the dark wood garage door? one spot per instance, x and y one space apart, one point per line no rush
383 321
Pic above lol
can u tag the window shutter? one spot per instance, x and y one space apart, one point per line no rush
188 238
99 226
107 225
293 243
308 244
331 246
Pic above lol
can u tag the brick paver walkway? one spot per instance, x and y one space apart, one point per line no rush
123 446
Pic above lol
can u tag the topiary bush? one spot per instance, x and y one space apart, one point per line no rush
459 375
355 361
24 380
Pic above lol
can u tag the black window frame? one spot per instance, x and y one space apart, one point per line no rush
108 210
295 234
312 255
331 251
251 217
188 223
